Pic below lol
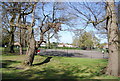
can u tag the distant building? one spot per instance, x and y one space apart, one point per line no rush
67 45
61 45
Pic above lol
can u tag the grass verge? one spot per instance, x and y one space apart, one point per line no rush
57 68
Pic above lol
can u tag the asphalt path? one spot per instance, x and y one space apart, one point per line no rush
74 53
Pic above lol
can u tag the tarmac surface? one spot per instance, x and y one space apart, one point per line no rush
74 53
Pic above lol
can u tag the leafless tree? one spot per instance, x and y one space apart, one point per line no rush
96 17
113 39
47 22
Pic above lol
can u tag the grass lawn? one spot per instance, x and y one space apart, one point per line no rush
57 68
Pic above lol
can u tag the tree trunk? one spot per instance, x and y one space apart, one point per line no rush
21 50
48 38
31 48
23 35
11 45
113 43
49 45
21 46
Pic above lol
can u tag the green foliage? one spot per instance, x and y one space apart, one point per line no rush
86 40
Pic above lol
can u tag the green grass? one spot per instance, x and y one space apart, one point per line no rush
61 48
1 48
5 51
57 68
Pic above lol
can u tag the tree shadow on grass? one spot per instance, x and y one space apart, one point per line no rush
45 61
49 73
16 53
58 54
6 63
36 75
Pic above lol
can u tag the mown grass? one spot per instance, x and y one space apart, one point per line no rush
57 68
69 48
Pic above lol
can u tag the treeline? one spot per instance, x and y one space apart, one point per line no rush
86 40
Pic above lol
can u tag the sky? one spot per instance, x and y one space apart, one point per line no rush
54 0
67 36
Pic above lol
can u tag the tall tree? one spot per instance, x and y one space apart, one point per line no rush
7 14
49 35
15 21
44 27
95 18
113 39
51 19
9 28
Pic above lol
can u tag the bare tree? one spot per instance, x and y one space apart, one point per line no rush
51 20
113 39
10 29
48 21
15 21
95 18
10 12
21 37
49 35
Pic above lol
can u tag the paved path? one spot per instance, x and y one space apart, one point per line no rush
74 53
